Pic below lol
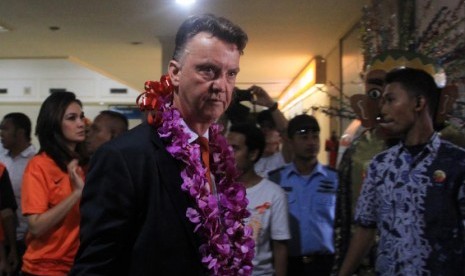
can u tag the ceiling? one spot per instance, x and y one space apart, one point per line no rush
123 38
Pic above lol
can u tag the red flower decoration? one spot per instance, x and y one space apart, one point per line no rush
156 94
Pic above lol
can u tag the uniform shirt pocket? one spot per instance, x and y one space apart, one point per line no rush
324 205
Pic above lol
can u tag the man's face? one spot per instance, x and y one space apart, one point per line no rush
397 110
306 145
98 133
272 140
205 76
244 159
267 126
8 134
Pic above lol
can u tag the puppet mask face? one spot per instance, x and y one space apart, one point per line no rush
367 106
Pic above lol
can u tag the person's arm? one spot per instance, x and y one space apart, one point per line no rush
3 263
8 207
360 244
366 216
280 232
280 257
262 98
9 227
40 224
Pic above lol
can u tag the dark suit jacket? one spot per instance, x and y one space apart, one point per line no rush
134 211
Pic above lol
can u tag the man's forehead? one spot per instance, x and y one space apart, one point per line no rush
100 118
102 121
272 133
393 88
306 131
6 122
204 42
235 138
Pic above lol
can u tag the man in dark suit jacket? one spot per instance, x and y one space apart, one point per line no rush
133 208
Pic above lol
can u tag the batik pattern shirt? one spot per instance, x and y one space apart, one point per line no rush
416 203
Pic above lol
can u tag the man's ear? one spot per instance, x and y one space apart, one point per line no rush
449 95
174 71
421 103
113 134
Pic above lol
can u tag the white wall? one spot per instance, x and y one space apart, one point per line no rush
28 82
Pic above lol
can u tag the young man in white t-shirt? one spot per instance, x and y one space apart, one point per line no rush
267 202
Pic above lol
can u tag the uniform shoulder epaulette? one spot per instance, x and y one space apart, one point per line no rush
275 175
276 170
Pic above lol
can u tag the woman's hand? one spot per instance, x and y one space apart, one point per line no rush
75 173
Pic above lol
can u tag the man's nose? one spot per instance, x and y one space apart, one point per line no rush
220 84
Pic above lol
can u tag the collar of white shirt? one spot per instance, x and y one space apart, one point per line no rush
193 135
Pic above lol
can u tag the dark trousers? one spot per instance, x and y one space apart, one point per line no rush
311 265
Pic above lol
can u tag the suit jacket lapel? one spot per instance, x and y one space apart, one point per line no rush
170 176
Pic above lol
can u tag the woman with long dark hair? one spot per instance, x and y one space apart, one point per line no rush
52 187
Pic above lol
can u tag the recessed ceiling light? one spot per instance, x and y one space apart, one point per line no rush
54 28
185 2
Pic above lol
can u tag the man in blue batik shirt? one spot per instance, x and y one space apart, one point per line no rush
414 192
311 189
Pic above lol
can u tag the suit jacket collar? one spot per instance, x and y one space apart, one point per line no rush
172 181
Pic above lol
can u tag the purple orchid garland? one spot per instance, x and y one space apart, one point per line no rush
218 219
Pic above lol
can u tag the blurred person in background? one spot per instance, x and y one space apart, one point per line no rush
106 126
272 157
271 121
312 194
8 261
267 202
15 134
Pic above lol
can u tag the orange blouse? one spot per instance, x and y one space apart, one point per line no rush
44 186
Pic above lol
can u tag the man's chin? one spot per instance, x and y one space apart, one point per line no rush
213 116
386 133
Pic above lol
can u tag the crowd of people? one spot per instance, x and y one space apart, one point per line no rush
173 196
40 190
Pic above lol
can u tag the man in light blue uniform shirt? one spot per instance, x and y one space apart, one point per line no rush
311 189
